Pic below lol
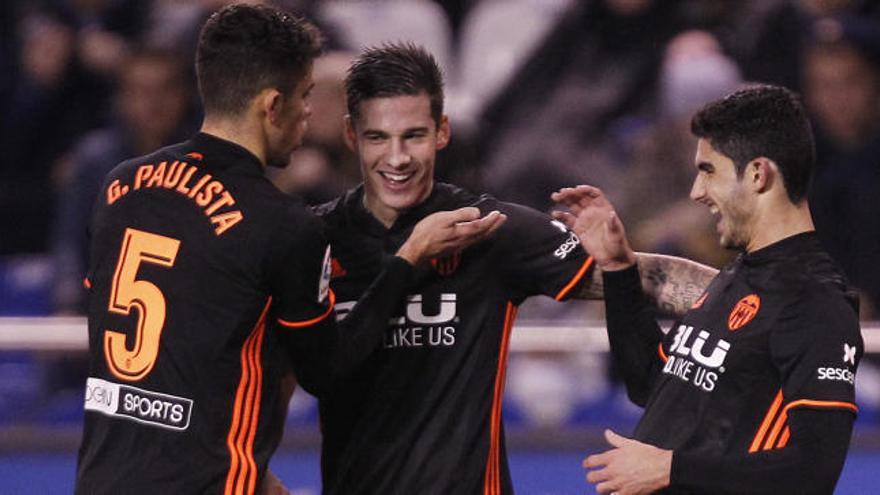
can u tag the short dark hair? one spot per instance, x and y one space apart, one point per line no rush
394 69
244 49
762 120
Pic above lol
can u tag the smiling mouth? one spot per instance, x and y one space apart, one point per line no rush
397 178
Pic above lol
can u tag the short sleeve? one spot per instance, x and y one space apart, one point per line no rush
817 346
301 275
539 255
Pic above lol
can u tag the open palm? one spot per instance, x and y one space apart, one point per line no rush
592 217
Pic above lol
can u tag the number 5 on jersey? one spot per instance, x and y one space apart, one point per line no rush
128 292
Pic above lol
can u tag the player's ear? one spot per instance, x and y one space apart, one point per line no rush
761 174
444 132
350 134
271 102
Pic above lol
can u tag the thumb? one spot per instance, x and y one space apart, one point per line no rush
465 214
565 217
614 439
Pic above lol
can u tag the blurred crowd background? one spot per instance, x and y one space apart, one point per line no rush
541 94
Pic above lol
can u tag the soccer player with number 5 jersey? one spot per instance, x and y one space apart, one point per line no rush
206 282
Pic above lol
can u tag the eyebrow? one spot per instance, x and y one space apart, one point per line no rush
374 133
416 130
705 166
405 132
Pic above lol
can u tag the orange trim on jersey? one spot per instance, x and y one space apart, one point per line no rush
492 480
765 425
242 475
235 452
196 155
87 283
776 430
781 432
577 278
255 415
660 351
823 404
308 323
244 470
783 440
783 418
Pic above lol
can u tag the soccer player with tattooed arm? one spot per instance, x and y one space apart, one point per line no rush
752 390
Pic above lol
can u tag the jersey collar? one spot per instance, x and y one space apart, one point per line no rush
218 153
785 248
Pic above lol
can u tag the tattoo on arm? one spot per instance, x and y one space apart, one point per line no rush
593 289
673 283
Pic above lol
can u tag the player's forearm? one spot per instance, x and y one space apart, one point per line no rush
810 464
672 284
329 351
633 332
362 330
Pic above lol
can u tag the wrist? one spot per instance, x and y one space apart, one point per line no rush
618 264
408 253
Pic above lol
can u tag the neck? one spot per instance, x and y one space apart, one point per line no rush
146 144
385 215
778 222
238 131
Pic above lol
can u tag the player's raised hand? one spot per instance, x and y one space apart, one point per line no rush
592 217
448 232
629 468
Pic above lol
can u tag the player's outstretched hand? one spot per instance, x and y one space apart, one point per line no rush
592 217
629 468
448 232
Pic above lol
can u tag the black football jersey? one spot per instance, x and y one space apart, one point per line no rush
199 266
423 414
775 331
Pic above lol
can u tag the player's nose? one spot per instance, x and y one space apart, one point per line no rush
398 156
698 189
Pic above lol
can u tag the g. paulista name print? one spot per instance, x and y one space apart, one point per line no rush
183 178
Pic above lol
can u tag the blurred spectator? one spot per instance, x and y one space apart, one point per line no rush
323 168
67 51
8 51
775 55
495 39
107 29
574 107
371 22
50 102
841 82
152 103
655 202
